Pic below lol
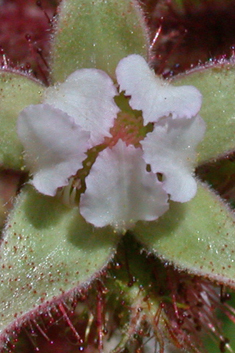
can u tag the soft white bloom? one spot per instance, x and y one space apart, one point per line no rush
154 96
120 191
170 150
122 186
54 146
75 116
87 96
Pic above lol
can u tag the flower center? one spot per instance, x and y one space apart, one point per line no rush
128 127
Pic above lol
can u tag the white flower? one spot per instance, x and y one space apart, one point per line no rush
170 150
120 191
154 96
122 186
75 116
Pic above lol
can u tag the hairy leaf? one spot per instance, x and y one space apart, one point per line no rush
47 250
95 34
217 86
16 92
197 236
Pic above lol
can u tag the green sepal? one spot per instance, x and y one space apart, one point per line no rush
217 85
96 34
16 92
47 250
197 236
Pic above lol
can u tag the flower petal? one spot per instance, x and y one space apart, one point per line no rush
87 96
170 149
154 96
120 191
54 146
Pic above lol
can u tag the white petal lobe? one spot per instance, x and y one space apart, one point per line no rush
120 191
87 95
54 146
170 150
154 96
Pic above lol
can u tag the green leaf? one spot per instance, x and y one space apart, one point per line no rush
16 92
96 34
197 236
48 250
217 86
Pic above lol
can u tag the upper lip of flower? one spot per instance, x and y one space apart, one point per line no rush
79 113
154 96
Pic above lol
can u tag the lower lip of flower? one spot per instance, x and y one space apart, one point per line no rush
129 128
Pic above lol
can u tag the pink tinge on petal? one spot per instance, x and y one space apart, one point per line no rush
153 95
87 95
170 150
54 146
120 191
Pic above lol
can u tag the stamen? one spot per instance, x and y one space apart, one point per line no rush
69 193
